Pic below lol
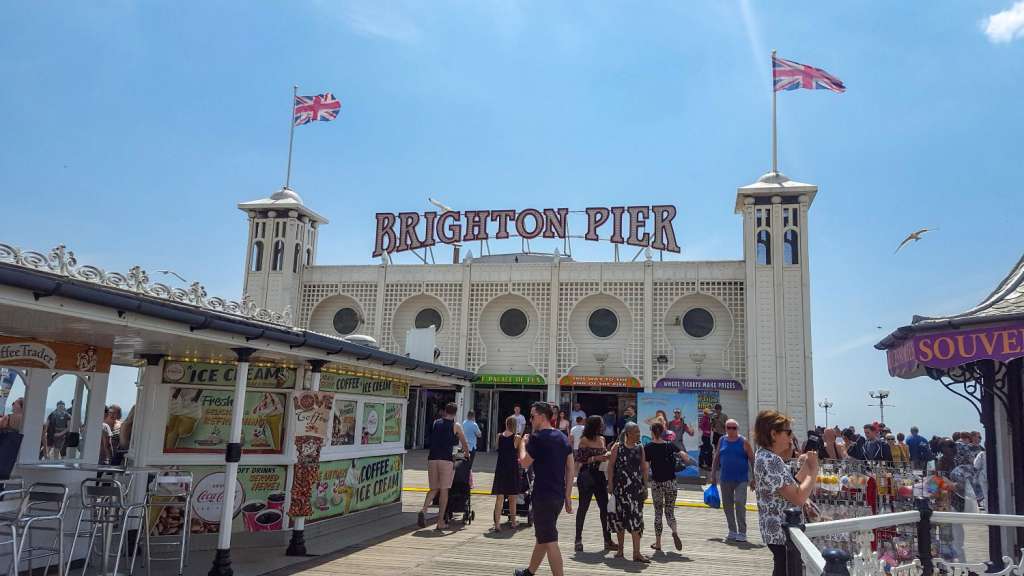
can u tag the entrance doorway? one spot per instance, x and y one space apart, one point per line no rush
598 402
425 406
493 406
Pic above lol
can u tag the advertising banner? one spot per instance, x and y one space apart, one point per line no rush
373 423
258 505
199 421
209 374
343 424
348 384
347 486
696 384
651 405
25 353
510 379
393 422
949 348
311 411
600 381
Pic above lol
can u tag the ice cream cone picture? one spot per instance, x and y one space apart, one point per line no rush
182 417
351 480
271 408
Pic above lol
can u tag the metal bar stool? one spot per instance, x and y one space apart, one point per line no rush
169 496
43 502
104 508
6 521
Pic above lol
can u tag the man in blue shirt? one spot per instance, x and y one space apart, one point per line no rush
917 446
472 431
548 451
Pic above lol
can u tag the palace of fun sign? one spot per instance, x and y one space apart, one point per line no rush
623 224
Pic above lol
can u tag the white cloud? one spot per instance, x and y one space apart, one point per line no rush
1007 25
386 20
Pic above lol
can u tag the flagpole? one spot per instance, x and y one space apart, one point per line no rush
291 135
775 153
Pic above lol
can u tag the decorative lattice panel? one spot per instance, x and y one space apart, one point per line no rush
479 295
448 341
632 294
731 293
665 293
539 294
365 293
569 293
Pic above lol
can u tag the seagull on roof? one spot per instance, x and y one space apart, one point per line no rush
914 236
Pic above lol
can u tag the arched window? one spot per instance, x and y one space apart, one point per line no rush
298 258
277 259
309 257
256 258
764 247
791 247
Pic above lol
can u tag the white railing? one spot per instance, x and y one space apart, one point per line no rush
866 563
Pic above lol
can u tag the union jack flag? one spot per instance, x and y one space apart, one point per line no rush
323 107
789 75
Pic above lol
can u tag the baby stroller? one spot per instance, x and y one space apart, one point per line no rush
459 500
524 499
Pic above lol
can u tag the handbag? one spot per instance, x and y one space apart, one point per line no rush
711 496
679 464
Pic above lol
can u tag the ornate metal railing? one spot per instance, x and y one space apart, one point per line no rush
804 558
62 262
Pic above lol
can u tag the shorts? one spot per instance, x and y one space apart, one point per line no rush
545 520
440 474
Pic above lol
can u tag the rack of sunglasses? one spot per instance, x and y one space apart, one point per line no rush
854 488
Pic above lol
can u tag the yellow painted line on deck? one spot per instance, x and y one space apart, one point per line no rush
680 504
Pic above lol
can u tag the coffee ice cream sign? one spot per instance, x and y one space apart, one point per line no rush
641 226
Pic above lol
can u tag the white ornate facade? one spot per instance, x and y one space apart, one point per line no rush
759 307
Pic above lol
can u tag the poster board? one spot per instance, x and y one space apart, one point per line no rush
199 421
350 485
650 405
258 505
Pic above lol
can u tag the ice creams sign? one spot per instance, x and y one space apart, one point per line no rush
209 374
198 421
348 384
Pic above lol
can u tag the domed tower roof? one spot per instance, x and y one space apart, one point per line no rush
774 184
282 200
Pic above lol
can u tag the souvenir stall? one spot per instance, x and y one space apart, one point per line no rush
979 356
854 489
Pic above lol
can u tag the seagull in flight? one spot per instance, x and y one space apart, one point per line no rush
914 236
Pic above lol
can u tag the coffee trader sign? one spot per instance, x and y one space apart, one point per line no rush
622 225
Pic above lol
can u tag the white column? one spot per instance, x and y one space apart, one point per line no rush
94 412
552 375
37 384
805 285
648 306
464 397
146 421
234 438
750 299
778 317
378 318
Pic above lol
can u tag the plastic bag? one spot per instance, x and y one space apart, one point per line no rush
711 496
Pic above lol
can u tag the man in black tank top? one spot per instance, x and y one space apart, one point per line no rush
445 434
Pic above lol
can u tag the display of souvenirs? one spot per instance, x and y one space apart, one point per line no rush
854 489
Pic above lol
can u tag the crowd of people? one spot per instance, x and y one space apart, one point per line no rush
604 457
115 433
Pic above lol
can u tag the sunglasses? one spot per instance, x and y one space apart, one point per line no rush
732 427
788 431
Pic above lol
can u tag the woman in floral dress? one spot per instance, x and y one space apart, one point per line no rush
628 486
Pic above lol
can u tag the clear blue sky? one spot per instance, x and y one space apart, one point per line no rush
131 130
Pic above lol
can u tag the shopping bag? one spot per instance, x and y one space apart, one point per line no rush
711 496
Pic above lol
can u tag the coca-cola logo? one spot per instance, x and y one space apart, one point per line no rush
208 497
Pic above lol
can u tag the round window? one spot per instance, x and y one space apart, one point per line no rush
698 322
603 323
512 322
428 317
346 321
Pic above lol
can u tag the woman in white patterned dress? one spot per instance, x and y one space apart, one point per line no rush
777 489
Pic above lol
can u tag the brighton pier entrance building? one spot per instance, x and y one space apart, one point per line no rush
543 326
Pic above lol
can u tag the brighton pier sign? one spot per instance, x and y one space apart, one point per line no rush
622 224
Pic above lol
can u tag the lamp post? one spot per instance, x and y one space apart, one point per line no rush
880 395
827 405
